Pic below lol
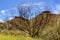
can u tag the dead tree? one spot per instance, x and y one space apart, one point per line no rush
33 26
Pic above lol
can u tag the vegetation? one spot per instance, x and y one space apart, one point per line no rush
45 26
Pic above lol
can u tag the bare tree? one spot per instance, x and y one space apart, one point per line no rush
24 10
32 26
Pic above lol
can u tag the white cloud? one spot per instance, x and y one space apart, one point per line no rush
11 18
14 8
40 3
1 21
7 10
3 12
57 9
25 5
56 12
11 9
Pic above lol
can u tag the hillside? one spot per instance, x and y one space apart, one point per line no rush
46 25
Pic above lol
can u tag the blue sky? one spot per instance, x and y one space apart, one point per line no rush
8 6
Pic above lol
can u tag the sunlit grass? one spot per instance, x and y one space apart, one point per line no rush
10 37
